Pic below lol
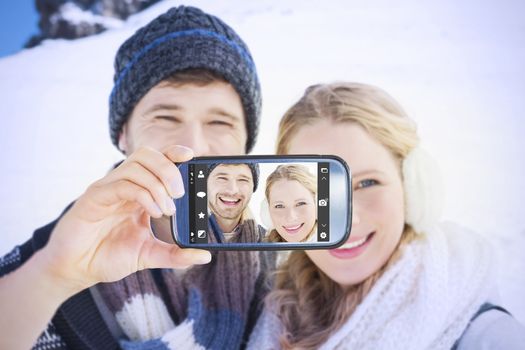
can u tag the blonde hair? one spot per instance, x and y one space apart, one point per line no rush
372 108
292 172
310 305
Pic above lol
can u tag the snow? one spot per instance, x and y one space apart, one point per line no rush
456 67
75 15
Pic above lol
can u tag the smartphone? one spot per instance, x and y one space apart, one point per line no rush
264 202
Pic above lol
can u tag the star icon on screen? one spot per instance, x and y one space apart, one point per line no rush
201 215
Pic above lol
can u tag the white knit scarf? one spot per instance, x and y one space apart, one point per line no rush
424 301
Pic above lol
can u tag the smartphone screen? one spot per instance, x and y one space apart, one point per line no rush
263 202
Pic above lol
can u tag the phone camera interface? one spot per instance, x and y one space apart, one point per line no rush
254 202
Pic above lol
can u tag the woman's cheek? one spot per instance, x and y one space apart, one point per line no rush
322 259
276 218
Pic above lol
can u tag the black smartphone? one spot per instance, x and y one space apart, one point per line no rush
263 203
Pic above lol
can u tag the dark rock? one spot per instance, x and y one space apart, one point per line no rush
54 23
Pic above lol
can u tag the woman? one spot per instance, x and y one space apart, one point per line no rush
291 196
401 281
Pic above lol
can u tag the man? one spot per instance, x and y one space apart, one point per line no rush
185 85
230 188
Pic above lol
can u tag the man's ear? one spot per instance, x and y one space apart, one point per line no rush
123 140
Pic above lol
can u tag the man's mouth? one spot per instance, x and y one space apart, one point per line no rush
293 228
228 201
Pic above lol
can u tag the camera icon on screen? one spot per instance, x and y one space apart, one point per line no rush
323 202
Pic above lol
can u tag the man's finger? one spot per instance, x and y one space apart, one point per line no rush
158 254
99 200
161 164
137 174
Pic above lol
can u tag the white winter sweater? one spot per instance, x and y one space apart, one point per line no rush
424 301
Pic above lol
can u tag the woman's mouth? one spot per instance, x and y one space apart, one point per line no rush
231 202
293 228
352 249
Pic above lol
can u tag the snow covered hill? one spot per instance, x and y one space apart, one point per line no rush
456 67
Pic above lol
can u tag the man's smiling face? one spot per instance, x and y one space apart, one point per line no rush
230 187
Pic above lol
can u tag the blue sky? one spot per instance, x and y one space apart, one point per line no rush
18 22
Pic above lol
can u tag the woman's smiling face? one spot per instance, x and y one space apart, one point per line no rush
292 209
378 200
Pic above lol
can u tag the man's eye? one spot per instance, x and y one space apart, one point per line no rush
222 178
367 183
167 118
220 123
244 180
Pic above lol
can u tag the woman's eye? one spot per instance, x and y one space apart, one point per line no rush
278 206
367 183
301 203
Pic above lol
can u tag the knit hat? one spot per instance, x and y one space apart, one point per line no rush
254 168
182 38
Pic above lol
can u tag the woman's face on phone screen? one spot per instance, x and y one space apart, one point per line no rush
292 209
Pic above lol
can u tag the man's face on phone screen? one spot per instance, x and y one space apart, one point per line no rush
230 187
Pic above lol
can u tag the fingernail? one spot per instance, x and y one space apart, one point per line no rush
186 149
203 258
177 188
155 208
170 206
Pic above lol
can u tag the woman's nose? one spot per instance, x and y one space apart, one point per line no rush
291 215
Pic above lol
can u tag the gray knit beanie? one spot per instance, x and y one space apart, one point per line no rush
183 38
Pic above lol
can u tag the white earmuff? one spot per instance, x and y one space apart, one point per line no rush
423 190
264 212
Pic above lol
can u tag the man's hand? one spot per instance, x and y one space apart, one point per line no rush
106 235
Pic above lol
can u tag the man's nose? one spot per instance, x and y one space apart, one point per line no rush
231 187
192 136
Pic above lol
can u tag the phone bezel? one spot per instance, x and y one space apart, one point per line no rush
183 219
